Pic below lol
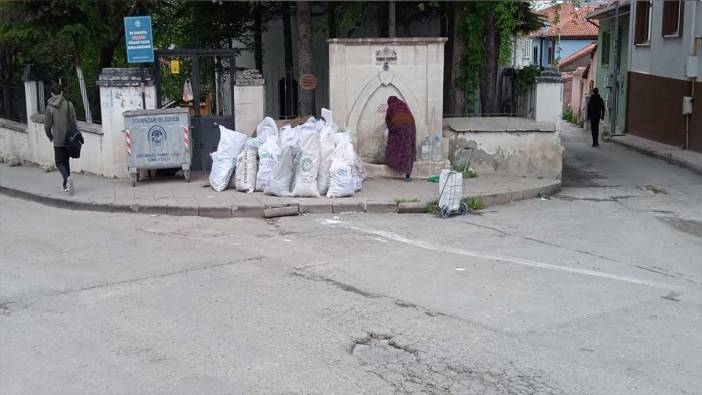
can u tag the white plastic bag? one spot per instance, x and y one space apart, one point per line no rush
267 128
359 173
327 146
289 137
221 173
341 181
269 156
307 167
282 177
341 138
245 174
230 143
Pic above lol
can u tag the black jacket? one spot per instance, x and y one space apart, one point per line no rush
595 108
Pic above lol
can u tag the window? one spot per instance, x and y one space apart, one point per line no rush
551 54
526 44
643 22
606 38
536 54
672 18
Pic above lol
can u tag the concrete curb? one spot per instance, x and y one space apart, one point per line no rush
272 211
663 155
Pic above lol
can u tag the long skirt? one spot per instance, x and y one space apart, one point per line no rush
401 149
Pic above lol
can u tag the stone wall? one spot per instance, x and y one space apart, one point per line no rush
27 143
507 146
365 72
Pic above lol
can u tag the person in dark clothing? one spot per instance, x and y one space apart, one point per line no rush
400 151
59 116
595 112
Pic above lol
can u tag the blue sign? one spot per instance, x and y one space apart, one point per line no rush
137 36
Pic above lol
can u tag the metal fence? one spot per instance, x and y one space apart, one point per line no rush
12 103
72 92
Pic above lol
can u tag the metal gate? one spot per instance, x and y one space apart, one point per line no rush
210 74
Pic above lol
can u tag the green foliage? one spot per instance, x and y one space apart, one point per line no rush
432 207
505 18
511 17
526 77
474 203
568 115
467 171
473 55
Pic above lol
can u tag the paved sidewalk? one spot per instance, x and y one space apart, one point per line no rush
173 196
675 155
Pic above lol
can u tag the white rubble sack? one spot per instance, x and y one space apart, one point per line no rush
267 128
327 146
282 176
224 159
341 182
269 156
230 143
222 170
289 137
307 166
245 174
359 173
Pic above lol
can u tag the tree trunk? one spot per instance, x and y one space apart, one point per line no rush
305 61
391 19
488 71
288 89
454 93
331 18
258 43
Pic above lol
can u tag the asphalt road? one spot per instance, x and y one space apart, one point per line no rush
595 290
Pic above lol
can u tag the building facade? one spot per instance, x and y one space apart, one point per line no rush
613 62
665 68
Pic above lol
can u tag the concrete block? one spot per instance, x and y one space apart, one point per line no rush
381 207
183 210
154 209
517 195
347 206
215 212
281 211
503 197
413 207
488 199
315 207
248 211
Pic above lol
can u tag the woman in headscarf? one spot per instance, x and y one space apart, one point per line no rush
401 148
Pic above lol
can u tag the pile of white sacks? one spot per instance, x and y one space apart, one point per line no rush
310 160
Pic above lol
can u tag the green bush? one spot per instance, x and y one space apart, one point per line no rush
569 116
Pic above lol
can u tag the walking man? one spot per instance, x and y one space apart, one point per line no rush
595 112
60 115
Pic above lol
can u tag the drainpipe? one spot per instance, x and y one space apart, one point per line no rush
617 59
693 52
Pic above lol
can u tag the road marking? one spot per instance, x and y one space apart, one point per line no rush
504 259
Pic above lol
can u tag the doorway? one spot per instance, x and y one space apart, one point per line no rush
203 81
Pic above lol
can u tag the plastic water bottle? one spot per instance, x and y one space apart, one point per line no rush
425 153
436 148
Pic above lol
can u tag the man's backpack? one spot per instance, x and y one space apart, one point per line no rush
74 138
74 142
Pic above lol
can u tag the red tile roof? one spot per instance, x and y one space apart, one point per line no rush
586 51
572 22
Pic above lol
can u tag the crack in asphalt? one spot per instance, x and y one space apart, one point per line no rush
407 369
5 305
398 302
548 243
